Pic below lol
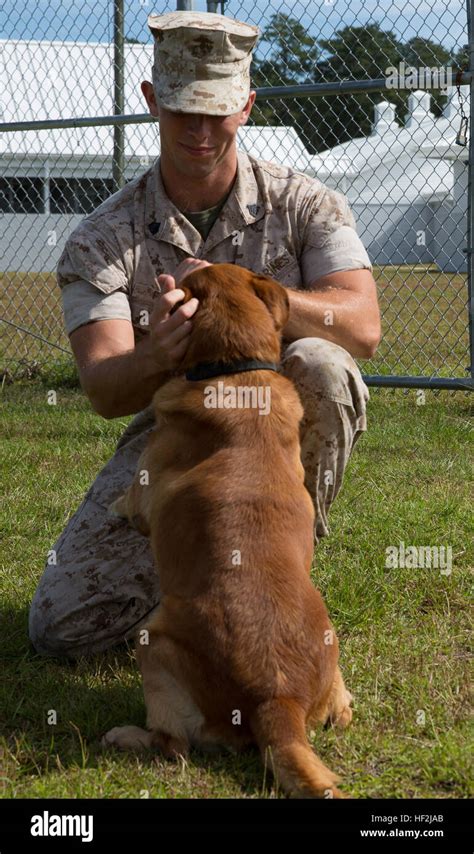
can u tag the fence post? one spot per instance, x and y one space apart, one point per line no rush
118 161
470 191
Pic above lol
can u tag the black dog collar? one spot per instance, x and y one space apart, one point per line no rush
206 370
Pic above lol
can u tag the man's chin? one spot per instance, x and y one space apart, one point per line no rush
195 168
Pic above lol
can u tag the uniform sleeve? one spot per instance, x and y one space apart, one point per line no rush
84 303
92 254
92 276
330 241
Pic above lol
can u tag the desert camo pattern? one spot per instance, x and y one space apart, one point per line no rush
271 217
202 62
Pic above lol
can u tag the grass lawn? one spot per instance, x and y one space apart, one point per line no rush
403 632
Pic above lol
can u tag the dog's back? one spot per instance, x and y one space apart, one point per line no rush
241 649
233 540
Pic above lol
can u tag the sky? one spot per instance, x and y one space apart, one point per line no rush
91 20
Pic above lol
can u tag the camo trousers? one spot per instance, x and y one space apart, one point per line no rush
104 583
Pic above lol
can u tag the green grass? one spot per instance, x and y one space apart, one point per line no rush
403 633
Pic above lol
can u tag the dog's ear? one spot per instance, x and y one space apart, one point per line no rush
275 298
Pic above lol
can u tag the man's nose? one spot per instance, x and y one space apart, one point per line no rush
199 124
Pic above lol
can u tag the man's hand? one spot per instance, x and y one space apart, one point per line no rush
120 376
189 265
169 333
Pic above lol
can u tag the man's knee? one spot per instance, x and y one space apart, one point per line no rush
44 634
51 639
327 370
70 630
52 634
327 363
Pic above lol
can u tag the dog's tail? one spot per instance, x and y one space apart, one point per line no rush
278 727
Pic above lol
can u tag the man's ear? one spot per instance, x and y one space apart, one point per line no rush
275 298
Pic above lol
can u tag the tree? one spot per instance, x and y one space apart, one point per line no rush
295 51
424 53
460 60
294 57
355 53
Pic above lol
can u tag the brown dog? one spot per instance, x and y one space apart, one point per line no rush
240 650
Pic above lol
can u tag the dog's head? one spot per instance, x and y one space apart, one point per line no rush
240 315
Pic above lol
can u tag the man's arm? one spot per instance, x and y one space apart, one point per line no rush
119 377
341 307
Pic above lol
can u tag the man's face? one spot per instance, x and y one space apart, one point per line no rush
196 143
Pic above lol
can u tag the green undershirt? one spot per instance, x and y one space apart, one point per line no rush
204 220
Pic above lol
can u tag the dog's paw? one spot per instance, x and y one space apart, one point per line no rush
343 719
340 715
127 738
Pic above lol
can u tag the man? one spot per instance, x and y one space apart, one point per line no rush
202 202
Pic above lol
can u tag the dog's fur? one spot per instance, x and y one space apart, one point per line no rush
240 650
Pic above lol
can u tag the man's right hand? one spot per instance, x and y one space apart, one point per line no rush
169 334
120 375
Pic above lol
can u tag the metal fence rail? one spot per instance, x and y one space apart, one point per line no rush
427 300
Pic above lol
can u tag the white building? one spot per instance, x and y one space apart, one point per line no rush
406 186
49 179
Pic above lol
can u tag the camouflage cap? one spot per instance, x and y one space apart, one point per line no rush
202 62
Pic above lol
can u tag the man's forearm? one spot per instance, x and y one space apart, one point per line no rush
336 314
124 384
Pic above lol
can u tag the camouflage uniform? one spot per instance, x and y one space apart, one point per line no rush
273 221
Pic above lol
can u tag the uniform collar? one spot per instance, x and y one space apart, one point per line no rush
165 222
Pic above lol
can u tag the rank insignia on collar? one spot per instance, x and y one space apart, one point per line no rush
252 209
154 227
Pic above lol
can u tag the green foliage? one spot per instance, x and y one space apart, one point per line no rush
353 53
295 53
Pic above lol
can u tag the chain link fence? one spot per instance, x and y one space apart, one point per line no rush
337 98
